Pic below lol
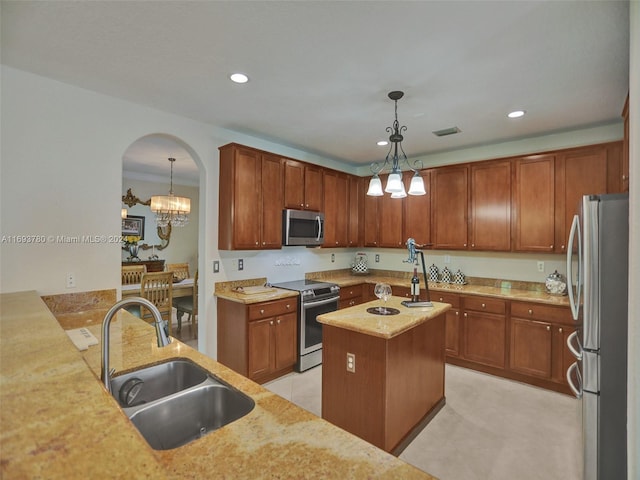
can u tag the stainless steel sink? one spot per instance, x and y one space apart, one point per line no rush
151 383
186 416
176 402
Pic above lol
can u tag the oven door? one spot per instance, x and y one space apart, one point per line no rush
310 328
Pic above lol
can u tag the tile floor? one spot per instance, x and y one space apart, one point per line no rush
490 428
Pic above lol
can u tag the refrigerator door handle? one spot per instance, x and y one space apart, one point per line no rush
577 390
577 352
574 301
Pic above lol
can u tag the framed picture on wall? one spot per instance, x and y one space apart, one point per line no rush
133 225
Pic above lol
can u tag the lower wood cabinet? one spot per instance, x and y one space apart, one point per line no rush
484 330
452 322
352 295
258 340
538 339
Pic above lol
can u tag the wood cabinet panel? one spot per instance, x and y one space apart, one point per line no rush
490 206
449 208
335 209
484 330
356 209
351 295
530 348
302 185
260 348
371 205
285 332
417 211
534 203
271 205
390 211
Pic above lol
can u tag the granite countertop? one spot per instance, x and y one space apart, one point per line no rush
58 421
507 292
233 291
357 318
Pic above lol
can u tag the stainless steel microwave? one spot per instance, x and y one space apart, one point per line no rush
302 227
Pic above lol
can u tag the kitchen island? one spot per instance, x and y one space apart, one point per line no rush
383 375
58 421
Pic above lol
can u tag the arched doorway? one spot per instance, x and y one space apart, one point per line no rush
146 171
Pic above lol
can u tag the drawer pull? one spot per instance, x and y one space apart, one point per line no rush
530 312
457 312
271 322
560 330
465 314
288 306
277 321
548 328
262 311
484 306
440 299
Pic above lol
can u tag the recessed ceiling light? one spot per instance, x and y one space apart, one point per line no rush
239 78
516 114
382 143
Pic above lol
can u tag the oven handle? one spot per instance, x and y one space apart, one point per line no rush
317 303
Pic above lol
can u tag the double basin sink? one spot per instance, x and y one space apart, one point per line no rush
176 402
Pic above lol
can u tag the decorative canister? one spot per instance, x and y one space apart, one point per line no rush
446 275
556 284
434 274
360 266
458 278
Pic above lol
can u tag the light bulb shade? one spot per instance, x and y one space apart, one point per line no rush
124 213
394 183
170 204
417 185
400 194
375 187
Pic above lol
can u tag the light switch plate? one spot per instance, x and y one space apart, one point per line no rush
216 266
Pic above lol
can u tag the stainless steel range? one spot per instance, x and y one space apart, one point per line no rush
315 299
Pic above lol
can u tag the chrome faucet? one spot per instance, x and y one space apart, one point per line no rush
163 338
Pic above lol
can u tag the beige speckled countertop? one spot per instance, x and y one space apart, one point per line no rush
57 420
508 292
357 318
229 291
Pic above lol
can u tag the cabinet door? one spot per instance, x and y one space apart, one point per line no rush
533 203
312 188
371 221
452 332
484 338
417 211
530 347
285 340
449 207
260 347
335 209
491 206
579 172
271 219
247 199
355 225
293 184
390 220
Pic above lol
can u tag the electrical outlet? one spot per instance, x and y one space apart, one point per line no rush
333 258
71 280
216 266
377 258
351 362
541 266
240 264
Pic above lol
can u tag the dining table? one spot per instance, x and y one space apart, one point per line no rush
183 288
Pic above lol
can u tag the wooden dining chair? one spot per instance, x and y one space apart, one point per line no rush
133 274
188 305
157 287
179 270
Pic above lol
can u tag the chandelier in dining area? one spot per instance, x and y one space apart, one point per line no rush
171 209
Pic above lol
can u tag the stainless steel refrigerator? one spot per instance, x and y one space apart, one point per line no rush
598 270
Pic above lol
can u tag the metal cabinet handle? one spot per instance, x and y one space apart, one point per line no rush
483 305
271 322
560 330
277 321
465 314
464 244
550 246
548 328
288 306
530 312
440 299
262 311
473 244
457 312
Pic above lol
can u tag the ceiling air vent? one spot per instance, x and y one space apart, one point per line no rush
447 131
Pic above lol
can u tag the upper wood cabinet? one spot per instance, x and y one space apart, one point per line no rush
250 199
534 203
390 220
624 176
336 196
302 186
355 226
370 220
449 207
490 206
581 172
417 211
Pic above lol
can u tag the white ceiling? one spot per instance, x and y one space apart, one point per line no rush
320 71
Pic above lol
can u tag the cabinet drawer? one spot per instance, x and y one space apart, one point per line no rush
272 309
351 292
484 304
538 311
451 298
